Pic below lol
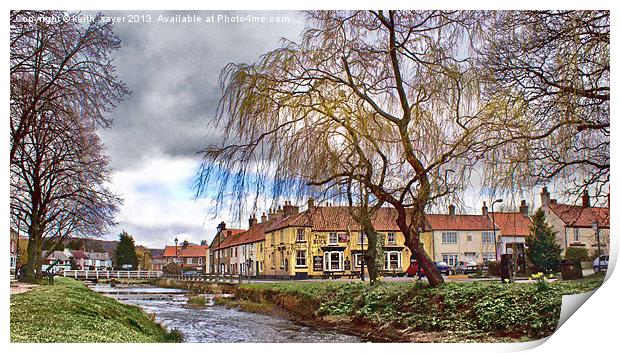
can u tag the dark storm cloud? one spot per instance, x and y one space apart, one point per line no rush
172 71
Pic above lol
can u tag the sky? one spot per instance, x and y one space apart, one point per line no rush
172 70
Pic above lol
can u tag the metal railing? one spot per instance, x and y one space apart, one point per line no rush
96 274
208 277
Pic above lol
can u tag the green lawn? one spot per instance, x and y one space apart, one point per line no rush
519 311
70 312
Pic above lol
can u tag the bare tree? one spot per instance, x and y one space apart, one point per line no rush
62 84
548 72
58 188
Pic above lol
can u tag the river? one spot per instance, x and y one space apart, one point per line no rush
216 323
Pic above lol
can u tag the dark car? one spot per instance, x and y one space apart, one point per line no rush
443 267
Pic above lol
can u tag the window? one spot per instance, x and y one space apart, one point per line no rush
333 238
200 260
468 237
300 259
260 247
576 234
273 238
281 236
189 260
332 261
448 237
450 259
487 238
357 260
391 238
361 238
301 237
391 260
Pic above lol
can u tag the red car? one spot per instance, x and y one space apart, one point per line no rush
415 269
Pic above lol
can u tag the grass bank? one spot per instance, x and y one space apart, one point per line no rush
68 311
464 311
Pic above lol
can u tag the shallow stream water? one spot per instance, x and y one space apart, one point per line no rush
215 323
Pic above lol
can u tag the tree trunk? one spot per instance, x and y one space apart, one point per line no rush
370 256
412 241
32 270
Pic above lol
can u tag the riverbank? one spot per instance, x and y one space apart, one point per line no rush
413 312
68 311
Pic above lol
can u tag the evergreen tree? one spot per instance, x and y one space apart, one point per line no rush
126 251
543 250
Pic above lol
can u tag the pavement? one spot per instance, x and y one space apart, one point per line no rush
18 287
455 278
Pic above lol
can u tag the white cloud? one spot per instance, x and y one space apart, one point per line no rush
158 203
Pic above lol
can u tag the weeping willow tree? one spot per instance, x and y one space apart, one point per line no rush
549 70
388 101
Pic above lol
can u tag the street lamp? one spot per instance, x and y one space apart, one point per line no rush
598 241
176 249
362 273
493 218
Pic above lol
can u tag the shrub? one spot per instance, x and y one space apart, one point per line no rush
197 300
172 269
577 254
495 268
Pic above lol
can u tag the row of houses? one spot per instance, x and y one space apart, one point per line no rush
325 240
79 260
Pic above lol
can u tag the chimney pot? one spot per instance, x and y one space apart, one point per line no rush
485 209
263 218
452 210
585 199
524 209
310 203
545 197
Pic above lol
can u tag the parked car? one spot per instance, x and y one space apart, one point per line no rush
443 267
600 263
191 273
465 267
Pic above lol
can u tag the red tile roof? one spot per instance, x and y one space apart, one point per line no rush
579 216
335 218
339 218
459 222
252 235
189 251
512 224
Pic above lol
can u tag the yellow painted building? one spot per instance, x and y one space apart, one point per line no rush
326 241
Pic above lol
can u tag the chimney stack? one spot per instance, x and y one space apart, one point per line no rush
263 218
485 209
272 214
452 210
545 197
280 211
252 221
524 209
585 199
289 209
310 203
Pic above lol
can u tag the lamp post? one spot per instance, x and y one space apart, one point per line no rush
176 250
362 272
493 218
598 241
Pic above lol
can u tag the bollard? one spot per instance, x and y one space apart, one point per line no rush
506 268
